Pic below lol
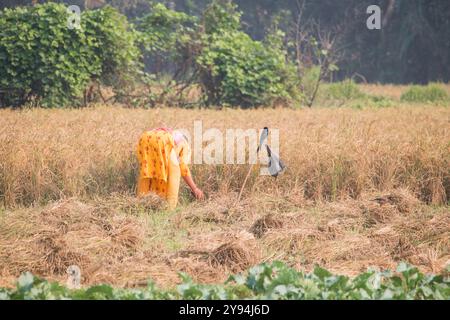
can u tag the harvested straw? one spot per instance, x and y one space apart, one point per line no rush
118 241
236 255
260 227
233 255
385 207
67 233
219 209
401 199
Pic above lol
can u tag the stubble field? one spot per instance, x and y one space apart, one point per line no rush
363 188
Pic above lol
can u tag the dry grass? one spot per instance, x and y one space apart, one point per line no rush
46 155
237 254
261 226
66 233
357 194
390 91
126 249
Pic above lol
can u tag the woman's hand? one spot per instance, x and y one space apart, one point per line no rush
196 191
198 194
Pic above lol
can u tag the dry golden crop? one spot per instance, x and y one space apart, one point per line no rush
331 153
357 193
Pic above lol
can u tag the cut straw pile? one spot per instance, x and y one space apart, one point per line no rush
350 236
112 241
67 233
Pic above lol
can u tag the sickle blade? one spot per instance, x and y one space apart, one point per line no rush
276 165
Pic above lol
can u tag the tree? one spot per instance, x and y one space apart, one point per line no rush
316 54
42 61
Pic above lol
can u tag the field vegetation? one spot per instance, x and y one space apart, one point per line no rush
367 183
364 187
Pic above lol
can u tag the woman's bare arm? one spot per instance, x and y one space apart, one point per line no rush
195 190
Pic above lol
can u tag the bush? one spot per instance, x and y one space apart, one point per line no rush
345 90
381 102
42 59
431 93
309 81
114 43
163 32
236 70
369 101
240 71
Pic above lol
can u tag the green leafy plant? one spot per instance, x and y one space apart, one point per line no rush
381 102
240 71
212 52
166 38
432 93
221 15
266 281
115 44
345 90
43 60
163 29
237 70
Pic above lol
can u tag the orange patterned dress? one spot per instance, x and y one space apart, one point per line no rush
161 164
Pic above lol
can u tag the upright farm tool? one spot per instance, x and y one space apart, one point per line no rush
276 166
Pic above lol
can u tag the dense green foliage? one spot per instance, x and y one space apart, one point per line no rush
240 71
431 93
412 47
42 59
164 32
236 70
242 58
267 281
115 45
213 52
345 90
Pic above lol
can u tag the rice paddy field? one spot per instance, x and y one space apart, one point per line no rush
366 186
